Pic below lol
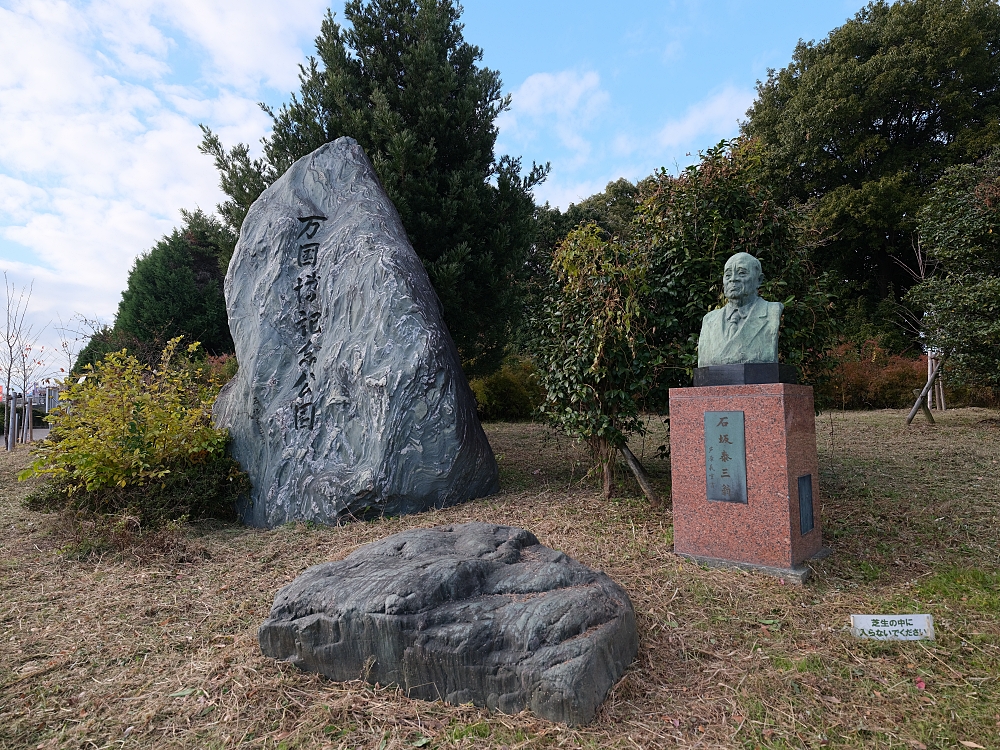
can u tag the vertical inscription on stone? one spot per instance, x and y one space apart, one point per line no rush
806 521
308 314
725 457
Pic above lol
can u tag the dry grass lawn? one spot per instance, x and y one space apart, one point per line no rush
156 647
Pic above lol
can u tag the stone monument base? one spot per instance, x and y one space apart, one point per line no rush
751 373
748 496
798 574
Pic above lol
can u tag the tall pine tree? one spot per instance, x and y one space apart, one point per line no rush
403 82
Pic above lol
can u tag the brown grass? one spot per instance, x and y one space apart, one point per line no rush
156 647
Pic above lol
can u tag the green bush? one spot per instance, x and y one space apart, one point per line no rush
512 394
137 440
206 490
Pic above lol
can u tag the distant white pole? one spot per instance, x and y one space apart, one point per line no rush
930 369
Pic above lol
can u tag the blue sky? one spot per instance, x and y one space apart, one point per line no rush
604 95
100 102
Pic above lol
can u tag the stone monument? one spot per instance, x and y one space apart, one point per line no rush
466 613
349 401
743 442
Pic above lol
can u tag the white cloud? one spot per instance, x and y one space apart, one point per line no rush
251 42
18 198
712 118
139 47
568 95
672 50
100 135
561 104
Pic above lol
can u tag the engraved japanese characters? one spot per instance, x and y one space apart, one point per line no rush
725 457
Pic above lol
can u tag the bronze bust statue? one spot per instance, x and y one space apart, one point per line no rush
746 329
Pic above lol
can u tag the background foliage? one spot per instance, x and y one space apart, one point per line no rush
863 122
960 234
618 324
511 394
870 377
691 225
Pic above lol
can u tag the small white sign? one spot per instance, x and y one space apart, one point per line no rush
893 627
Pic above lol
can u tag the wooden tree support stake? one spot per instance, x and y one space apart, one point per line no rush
921 403
640 476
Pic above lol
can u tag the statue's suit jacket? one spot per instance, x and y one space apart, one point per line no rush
756 340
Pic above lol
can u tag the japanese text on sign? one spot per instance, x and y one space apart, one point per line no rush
893 627
725 457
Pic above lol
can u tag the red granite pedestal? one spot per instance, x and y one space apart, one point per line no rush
780 438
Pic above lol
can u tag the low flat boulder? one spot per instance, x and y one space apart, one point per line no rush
467 613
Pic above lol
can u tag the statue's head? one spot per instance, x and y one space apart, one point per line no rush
741 278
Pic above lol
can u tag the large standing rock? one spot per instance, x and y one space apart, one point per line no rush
473 612
349 400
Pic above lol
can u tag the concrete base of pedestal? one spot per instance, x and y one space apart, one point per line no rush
799 574
780 438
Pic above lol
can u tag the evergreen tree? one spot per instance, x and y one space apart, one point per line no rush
176 288
960 297
403 82
862 123
106 339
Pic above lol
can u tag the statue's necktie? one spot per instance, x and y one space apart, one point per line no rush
734 321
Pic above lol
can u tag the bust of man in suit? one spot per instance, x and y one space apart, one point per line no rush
746 329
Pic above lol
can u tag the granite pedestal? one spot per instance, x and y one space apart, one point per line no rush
768 517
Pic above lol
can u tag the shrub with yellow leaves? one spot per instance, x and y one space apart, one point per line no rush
130 437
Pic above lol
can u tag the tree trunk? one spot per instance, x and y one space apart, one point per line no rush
606 455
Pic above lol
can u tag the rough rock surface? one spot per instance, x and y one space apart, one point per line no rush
349 400
472 612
